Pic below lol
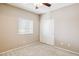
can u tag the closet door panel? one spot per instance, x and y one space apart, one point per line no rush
47 29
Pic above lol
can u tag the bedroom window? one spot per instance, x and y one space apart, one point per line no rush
25 26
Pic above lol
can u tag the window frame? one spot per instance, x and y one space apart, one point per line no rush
26 33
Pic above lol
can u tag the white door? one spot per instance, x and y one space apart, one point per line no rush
47 29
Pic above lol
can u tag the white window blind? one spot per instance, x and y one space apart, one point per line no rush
25 26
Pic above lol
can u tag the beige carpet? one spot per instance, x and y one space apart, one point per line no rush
38 49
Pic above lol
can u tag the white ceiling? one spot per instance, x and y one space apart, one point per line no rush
43 9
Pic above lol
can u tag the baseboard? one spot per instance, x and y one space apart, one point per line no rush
63 49
43 43
17 47
67 50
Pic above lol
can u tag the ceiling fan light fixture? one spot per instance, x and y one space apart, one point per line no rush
37 5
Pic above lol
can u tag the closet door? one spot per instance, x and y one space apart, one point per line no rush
47 29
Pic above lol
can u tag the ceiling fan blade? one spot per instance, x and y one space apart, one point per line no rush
46 4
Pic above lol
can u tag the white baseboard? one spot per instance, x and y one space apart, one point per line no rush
44 43
63 49
18 47
67 50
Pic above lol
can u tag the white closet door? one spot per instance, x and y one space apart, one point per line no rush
47 29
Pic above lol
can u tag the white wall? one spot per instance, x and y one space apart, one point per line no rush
66 27
9 38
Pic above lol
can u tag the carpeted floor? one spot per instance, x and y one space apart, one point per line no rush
37 49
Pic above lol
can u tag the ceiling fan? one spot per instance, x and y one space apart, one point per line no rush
46 4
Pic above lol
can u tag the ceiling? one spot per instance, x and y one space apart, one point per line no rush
42 9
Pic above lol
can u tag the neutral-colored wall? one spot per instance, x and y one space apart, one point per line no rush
66 27
8 27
